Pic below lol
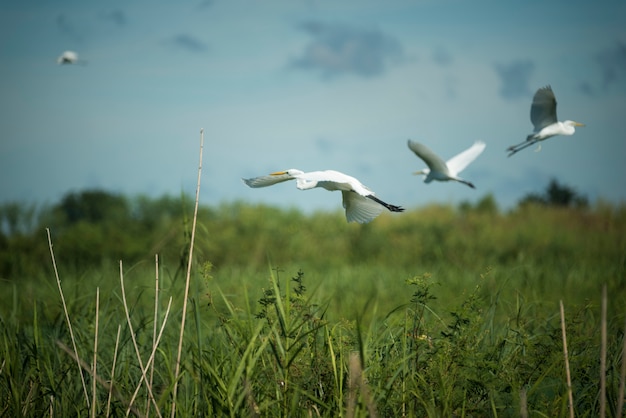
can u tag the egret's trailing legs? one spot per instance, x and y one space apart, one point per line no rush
516 148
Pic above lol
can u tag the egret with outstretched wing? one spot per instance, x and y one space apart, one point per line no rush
360 202
69 57
440 170
543 117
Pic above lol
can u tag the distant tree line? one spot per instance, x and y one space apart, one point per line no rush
94 226
88 227
556 195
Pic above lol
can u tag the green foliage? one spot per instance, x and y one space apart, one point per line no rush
449 312
487 205
556 195
94 228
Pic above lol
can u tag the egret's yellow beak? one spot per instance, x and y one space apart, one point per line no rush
579 124
278 173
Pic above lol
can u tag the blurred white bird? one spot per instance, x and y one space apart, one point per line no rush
69 57
360 203
543 117
445 171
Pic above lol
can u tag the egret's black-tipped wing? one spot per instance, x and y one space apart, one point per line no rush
543 109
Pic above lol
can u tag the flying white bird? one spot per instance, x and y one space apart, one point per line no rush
543 117
445 171
360 203
69 57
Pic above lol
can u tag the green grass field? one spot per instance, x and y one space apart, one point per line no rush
437 312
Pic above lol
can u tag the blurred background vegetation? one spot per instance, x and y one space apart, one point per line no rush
556 233
95 227
476 287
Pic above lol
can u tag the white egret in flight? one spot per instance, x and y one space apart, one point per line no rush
69 57
543 117
360 203
445 171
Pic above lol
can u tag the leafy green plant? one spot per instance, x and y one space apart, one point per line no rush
463 339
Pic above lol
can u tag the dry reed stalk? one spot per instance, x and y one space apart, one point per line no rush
154 322
356 379
95 356
154 348
603 355
622 376
117 342
570 396
188 279
137 353
354 367
100 380
67 318
523 403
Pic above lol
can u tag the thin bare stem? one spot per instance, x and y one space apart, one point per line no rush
155 321
132 335
622 376
355 371
356 378
95 356
523 403
182 322
567 373
154 348
117 342
100 380
603 355
67 318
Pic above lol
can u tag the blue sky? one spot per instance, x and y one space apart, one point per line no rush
310 85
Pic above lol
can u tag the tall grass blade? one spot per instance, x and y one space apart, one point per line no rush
117 342
135 345
570 396
182 321
151 358
95 356
622 376
154 322
100 380
67 317
248 359
603 354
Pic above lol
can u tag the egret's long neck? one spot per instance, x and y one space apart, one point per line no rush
569 127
